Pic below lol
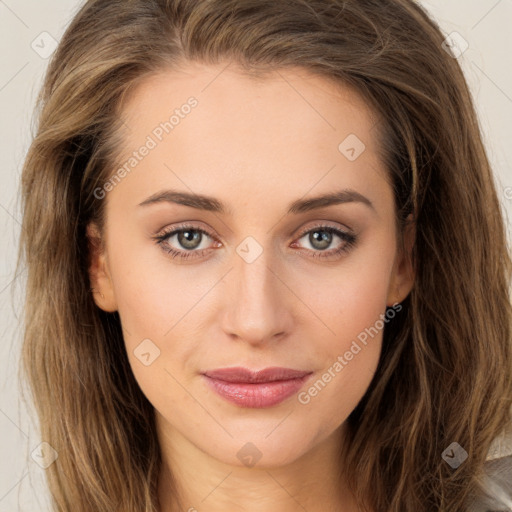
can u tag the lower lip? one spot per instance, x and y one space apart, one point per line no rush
258 396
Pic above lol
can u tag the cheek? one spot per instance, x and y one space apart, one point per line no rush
157 330
349 360
353 295
152 292
353 306
160 306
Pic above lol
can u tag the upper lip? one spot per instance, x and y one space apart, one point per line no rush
238 374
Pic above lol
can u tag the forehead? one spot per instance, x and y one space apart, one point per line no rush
291 94
213 125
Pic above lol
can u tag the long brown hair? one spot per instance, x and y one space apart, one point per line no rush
444 374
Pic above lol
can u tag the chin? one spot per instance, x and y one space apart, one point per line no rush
261 452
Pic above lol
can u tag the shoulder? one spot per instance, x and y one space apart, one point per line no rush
498 485
497 481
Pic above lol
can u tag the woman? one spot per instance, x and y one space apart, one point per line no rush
267 268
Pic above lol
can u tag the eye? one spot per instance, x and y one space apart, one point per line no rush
321 237
185 241
187 238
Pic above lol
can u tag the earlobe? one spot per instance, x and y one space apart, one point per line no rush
98 270
402 279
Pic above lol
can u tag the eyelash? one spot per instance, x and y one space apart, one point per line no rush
161 239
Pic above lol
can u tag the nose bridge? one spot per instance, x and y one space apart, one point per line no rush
257 307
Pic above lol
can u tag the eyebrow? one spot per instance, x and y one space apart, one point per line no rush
208 203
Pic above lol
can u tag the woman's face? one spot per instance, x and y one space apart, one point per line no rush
264 274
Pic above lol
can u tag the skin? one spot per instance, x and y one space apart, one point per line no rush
256 146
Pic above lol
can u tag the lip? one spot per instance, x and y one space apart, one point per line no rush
256 389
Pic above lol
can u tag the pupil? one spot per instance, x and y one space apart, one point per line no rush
188 239
321 242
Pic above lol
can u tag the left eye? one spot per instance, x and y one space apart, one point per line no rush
190 239
321 238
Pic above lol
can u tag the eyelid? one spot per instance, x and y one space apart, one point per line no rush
326 224
196 227
167 231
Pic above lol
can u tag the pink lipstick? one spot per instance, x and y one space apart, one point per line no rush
256 389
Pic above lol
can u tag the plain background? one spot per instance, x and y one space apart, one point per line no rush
484 24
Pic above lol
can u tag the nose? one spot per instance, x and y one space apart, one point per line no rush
258 302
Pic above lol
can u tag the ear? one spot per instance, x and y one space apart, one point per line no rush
402 278
99 273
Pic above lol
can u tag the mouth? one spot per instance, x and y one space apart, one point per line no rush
256 389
